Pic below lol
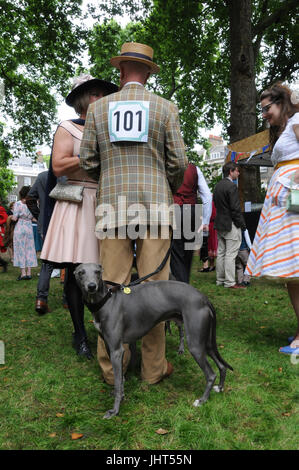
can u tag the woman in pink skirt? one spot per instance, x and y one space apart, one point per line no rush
70 238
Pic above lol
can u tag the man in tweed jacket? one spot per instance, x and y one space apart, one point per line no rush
132 144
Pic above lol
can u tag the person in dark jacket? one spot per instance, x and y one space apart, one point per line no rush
36 204
229 223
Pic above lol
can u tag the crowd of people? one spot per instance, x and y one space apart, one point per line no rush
127 142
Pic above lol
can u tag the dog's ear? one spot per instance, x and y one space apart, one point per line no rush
77 269
99 270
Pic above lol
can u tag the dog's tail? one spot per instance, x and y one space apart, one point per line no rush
213 336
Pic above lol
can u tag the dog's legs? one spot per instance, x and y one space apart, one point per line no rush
210 378
116 358
196 336
222 370
199 354
181 332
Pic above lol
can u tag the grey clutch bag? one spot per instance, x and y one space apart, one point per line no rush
67 192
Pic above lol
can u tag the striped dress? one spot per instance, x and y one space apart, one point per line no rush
275 250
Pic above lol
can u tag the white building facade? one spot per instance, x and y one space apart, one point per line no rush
25 173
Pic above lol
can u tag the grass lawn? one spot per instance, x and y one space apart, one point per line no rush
49 396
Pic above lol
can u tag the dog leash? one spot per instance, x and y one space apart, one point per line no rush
139 280
159 268
115 286
94 308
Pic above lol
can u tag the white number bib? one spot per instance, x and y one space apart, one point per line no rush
128 121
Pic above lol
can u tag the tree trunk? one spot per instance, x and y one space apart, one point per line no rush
243 92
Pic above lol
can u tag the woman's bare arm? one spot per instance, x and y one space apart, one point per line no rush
63 159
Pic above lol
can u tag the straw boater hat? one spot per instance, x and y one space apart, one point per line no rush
138 53
85 82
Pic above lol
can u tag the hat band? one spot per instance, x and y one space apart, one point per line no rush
136 54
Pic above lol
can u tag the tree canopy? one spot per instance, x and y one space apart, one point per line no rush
207 58
41 42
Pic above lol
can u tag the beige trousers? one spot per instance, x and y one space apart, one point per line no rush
228 247
116 258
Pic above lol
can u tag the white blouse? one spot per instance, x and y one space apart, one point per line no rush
287 146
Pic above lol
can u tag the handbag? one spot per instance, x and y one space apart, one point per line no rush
67 192
293 198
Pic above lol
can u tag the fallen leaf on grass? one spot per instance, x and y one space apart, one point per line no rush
161 431
53 434
60 415
2 368
286 414
76 435
280 369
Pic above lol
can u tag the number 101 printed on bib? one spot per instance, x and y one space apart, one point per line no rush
128 121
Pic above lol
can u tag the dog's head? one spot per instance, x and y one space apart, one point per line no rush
89 279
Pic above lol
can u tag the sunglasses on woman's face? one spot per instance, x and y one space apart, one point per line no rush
266 108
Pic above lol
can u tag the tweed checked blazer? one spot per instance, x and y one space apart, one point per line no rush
139 173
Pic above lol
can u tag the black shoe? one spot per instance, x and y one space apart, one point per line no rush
245 284
83 350
4 265
21 278
82 347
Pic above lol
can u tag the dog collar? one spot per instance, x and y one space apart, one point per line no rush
95 307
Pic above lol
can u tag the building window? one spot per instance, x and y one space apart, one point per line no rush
16 181
12 198
27 181
215 155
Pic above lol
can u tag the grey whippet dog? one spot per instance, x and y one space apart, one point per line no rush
123 315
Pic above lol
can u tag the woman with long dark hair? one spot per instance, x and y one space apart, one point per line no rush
275 250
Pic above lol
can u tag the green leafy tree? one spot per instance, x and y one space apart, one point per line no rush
211 172
215 57
186 51
6 175
7 181
41 43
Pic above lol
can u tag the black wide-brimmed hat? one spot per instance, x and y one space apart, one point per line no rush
85 82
